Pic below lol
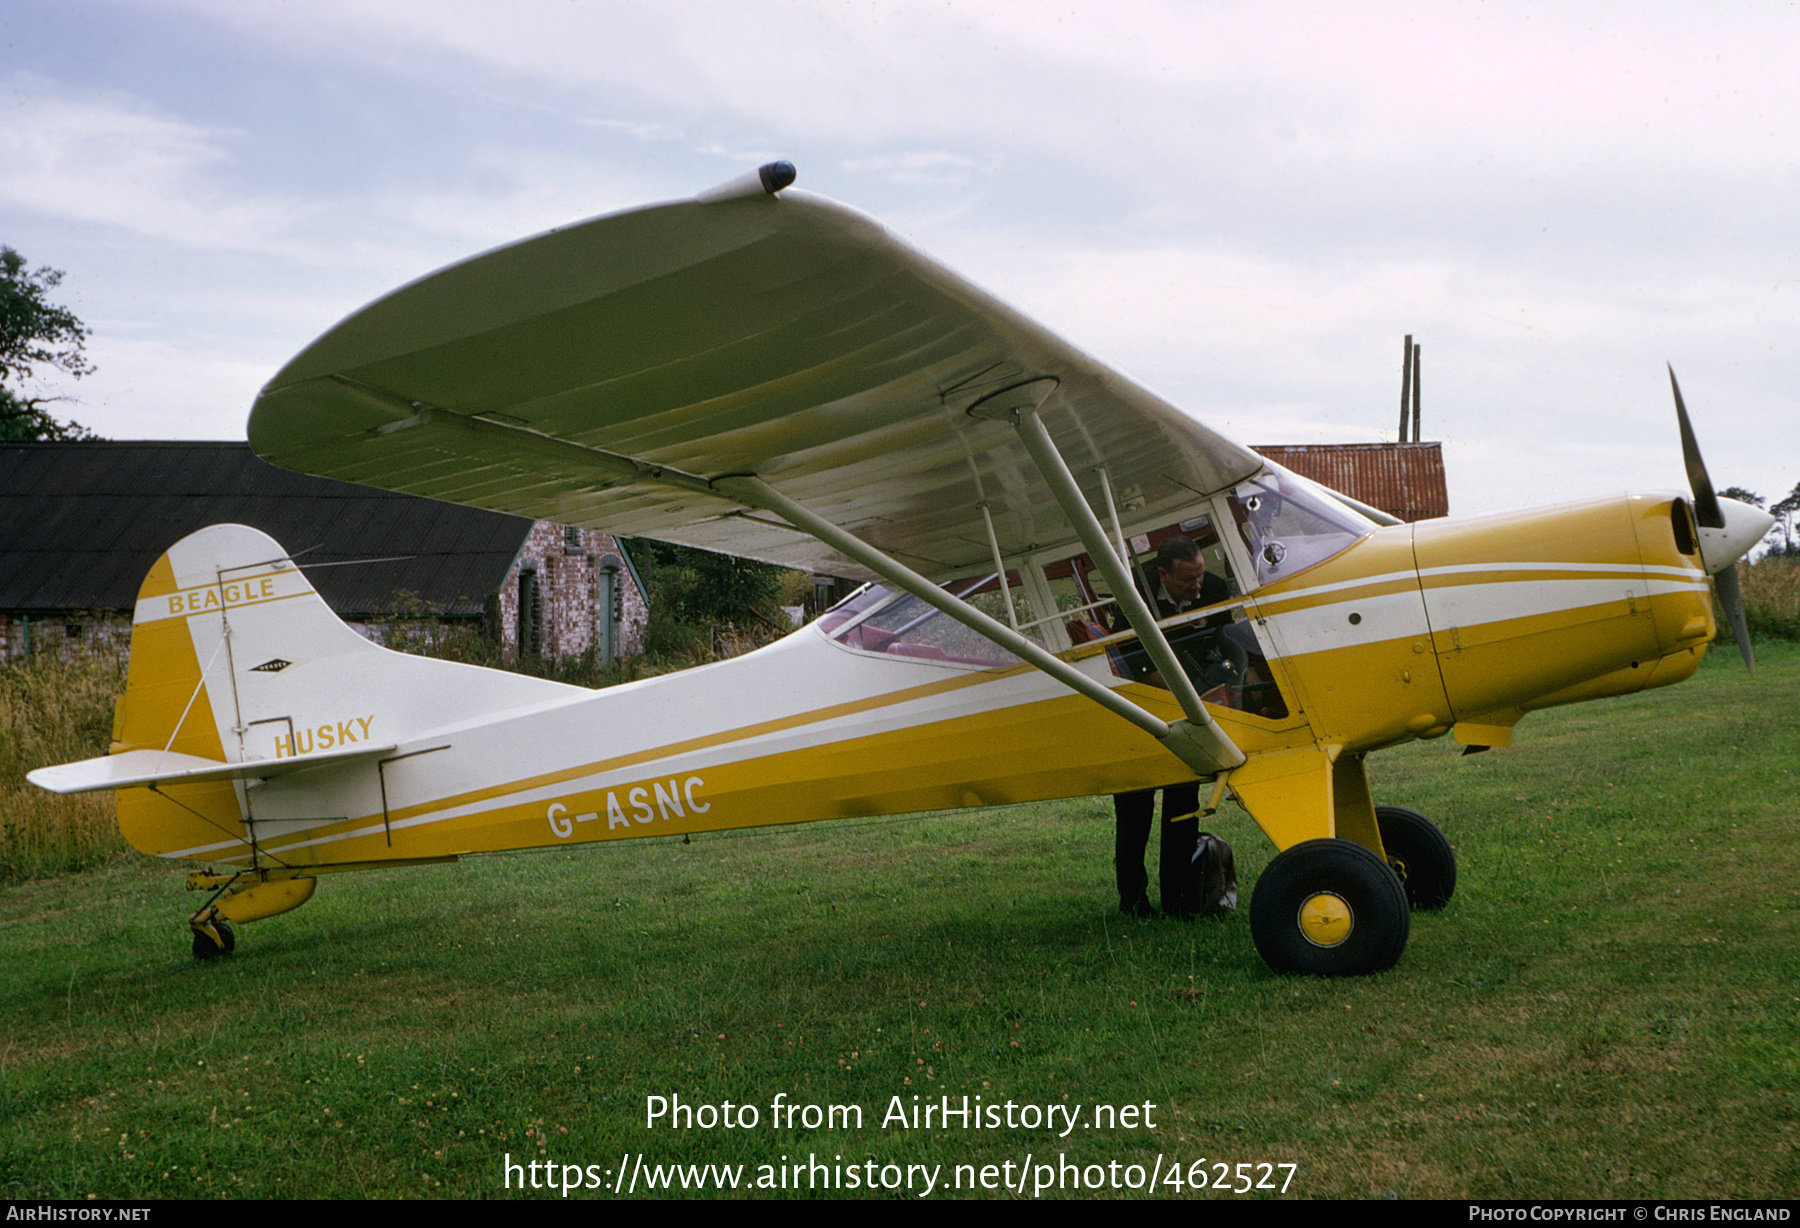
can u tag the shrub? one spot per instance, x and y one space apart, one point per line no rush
1771 591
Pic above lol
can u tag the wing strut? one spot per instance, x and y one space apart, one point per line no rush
1206 756
1199 728
1196 741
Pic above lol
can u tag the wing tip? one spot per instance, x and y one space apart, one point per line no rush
766 180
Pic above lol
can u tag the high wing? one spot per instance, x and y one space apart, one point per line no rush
608 373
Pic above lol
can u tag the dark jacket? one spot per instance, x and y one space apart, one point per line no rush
1192 643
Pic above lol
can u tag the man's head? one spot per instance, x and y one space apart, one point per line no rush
1180 569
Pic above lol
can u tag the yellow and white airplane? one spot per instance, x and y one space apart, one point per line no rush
773 375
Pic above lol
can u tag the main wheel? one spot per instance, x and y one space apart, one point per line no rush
206 948
1329 907
1419 854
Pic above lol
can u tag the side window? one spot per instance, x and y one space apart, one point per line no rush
1085 600
906 627
1203 618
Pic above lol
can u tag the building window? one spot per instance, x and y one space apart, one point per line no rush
531 615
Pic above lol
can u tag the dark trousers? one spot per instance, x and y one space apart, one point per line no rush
1132 814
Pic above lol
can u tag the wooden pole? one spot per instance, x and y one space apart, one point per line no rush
1415 391
1406 369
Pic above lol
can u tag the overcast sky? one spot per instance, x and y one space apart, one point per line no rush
1243 206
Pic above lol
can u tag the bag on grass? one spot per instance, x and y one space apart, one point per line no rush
1212 878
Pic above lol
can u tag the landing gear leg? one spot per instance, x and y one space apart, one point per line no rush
213 936
242 897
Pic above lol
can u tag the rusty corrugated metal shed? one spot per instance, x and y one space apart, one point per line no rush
1405 480
80 524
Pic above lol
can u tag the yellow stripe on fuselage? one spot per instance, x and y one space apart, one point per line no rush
1058 747
1368 651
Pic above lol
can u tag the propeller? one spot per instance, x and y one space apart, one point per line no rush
1728 529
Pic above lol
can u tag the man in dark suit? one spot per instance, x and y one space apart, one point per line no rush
1179 582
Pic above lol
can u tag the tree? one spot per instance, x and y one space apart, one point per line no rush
701 586
692 592
35 333
1784 512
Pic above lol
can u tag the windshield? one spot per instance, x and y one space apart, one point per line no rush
1288 528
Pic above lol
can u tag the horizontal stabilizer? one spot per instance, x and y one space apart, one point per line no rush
155 767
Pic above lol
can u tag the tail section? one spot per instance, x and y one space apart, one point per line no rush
240 673
167 709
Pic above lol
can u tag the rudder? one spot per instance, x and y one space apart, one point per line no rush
180 695
235 659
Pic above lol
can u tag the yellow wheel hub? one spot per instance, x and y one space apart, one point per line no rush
1326 919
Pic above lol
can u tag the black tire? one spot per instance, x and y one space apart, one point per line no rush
1331 908
206 948
1420 854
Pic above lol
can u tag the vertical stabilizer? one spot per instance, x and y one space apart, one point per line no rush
237 660
179 696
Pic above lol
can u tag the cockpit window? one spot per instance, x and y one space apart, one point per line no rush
1288 528
880 620
1213 641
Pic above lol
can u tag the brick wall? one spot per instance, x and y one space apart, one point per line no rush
21 635
568 573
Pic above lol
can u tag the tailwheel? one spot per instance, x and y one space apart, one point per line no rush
1331 908
1420 854
213 938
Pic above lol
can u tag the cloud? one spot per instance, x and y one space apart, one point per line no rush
639 131
936 168
1245 206
199 387
115 160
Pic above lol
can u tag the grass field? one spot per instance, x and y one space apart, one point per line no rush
1609 1008
55 709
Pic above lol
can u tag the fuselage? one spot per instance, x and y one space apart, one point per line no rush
1405 632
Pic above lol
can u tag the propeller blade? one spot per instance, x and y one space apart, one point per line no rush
1706 504
1726 582
1721 544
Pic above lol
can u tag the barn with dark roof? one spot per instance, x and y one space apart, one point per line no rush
80 524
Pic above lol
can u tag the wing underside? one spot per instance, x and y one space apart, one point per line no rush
606 374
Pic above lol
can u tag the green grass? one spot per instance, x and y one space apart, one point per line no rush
1607 1009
